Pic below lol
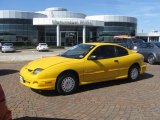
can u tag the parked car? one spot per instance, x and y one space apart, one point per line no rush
82 64
130 43
150 51
8 47
42 47
5 114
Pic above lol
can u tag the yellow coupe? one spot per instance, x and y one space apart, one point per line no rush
82 64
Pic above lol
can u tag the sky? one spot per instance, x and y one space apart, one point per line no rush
147 12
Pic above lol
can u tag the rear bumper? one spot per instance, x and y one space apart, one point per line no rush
43 49
8 49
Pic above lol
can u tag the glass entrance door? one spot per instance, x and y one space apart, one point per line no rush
69 38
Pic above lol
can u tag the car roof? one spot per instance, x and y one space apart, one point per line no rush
99 43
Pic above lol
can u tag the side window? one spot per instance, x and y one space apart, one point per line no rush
143 45
106 51
150 46
121 51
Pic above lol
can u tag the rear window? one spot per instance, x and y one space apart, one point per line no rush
121 51
43 44
7 44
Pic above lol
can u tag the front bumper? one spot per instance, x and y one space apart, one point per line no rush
40 84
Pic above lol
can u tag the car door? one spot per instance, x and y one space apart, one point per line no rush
124 61
146 49
149 49
141 48
103 67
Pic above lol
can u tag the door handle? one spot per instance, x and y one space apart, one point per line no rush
116 61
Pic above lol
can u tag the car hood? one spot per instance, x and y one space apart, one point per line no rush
48 62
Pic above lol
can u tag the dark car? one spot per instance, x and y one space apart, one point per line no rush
150 51
128 42
131 43
5 114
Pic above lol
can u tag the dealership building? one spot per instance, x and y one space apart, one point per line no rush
61 27
153 36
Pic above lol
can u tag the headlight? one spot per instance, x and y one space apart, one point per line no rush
135 48
36 71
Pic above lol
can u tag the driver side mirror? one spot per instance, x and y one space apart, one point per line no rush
92 57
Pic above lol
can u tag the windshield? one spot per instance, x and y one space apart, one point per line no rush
78 51
157 44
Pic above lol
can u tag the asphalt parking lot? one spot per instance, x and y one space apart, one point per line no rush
28 54
113 100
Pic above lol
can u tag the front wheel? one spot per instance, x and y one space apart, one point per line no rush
133 73
151 59
66 84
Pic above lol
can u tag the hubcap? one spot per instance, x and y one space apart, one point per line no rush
68 84
151 59
134 73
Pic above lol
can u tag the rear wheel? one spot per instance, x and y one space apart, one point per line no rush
66 84
151 59
133 73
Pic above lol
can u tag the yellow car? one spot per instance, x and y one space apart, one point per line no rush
82 64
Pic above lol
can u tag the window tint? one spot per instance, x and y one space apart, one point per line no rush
102 52
121 51
150 46
143 45
16 21
146 45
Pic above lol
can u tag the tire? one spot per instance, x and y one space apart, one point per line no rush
66 84
151 59
133 73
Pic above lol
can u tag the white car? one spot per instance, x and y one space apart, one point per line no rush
42 47
8 47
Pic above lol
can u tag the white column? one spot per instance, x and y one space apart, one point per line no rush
84 34
159 39
58 36
148 39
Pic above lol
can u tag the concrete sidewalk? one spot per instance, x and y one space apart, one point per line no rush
27 55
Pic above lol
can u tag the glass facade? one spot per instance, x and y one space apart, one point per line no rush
69 35
117 28
31 28
19 31
23 32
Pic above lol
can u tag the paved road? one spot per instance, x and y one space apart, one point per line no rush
28 54
115 100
